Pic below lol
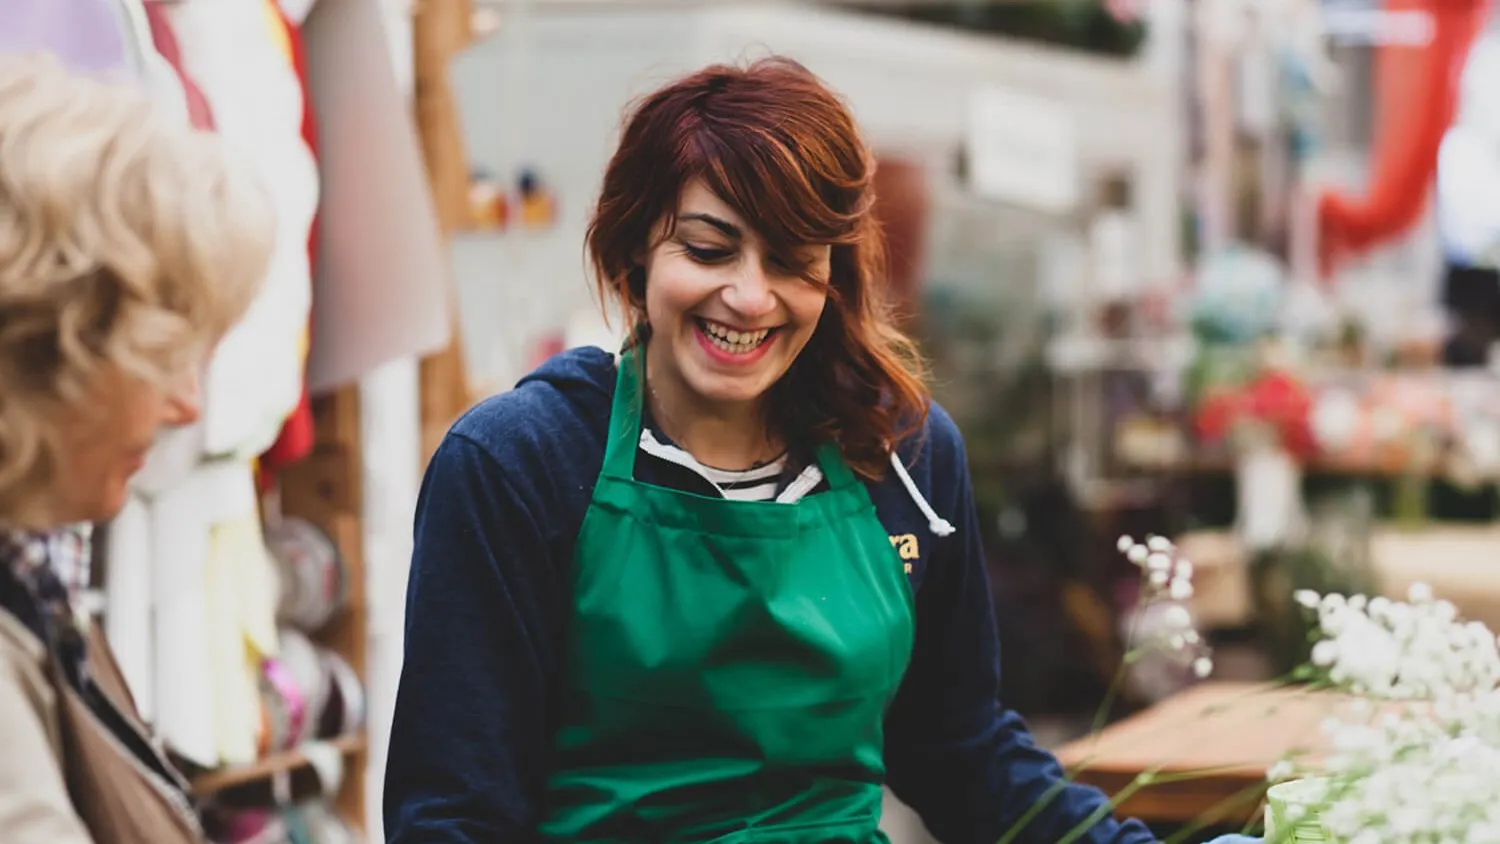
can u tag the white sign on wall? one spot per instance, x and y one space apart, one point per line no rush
1023 150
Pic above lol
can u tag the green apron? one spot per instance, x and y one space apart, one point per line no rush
729 662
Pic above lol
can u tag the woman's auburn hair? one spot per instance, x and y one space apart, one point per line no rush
776 144
129 242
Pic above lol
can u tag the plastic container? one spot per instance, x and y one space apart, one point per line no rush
1294 806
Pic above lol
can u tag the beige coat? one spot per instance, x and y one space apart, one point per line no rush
64 776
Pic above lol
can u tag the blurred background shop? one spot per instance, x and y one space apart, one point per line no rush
1223 270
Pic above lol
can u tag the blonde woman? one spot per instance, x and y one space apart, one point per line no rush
128 245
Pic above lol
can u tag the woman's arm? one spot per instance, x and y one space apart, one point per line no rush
955 753
468 748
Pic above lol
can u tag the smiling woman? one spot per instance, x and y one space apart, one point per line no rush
766 193
705 590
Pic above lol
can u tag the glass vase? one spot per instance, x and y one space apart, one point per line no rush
1268 487
1292 812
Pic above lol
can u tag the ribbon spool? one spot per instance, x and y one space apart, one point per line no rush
303 667
314 580
283 707
246 826
345 710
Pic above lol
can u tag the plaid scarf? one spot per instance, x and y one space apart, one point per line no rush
53 568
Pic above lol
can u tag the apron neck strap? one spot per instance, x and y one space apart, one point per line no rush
834 467
625 416
625 428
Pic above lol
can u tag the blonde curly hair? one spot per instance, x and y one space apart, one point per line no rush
128 240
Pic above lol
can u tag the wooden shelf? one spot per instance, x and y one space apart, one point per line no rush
262 771
1376 466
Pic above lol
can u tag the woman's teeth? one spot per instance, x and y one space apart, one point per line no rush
732 341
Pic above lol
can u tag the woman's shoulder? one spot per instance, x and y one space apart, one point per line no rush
22 655
536 448
933 463
554 411
935 448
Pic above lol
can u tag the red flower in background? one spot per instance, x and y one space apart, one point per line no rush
1274 399
1281 401
1217 414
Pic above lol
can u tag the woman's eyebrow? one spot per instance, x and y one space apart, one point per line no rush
728 228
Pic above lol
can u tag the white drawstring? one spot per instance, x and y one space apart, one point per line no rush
935 523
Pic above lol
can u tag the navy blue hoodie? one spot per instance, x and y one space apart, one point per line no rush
500 507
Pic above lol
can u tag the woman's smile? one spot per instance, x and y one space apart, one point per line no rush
733 346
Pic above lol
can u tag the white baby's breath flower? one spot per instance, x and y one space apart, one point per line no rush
1325 653
1307 598
1178 617
1282 770
1162 623
1426 767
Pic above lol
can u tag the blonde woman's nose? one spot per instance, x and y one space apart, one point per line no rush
184 402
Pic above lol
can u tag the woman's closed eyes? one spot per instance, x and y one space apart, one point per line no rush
713 255
707 254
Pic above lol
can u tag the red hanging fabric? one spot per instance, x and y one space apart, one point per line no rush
295 441
165 40
1416 90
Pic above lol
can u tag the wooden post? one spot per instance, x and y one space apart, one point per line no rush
327 489
440 29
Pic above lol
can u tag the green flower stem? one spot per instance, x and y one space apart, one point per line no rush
1239 798
1101 715
1143 779
1150 777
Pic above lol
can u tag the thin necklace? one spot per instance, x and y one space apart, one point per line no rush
673 431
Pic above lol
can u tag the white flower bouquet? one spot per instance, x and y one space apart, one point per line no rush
1414 758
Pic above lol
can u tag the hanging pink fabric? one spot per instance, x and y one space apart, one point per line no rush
86 35
165 40
1416 89
298 434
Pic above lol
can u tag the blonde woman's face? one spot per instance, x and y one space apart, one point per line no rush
105 443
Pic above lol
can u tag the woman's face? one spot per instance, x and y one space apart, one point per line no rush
104 443
727 317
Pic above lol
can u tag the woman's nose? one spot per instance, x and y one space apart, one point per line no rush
750 294
184 402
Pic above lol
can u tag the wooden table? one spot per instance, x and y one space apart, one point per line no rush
1212 743
1456 560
